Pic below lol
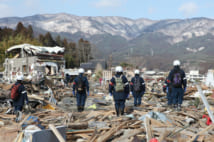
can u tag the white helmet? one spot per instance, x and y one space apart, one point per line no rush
176 63
89 72
81 70
119 69
19 77
136 72
29 77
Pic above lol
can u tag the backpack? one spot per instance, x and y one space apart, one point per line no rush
119 87
177 80
14 91
137 84
80 85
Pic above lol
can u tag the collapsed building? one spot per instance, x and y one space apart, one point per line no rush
33 60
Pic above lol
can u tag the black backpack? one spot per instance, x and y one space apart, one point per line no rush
137 84
177 79
80 85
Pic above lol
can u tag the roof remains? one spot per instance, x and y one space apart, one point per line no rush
37 49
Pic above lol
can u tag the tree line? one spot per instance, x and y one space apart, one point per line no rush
74 54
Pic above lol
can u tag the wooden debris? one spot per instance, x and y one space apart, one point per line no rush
147 125
56 132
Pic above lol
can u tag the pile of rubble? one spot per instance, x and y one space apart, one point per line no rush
53 117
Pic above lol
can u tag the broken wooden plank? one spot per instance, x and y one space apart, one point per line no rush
81 125
56 132
109 133
106 115
85 131
22 122
201 132
157 123
149 134
131 134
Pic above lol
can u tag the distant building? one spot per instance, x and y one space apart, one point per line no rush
209 81
34 60
194 75
107 75
91 65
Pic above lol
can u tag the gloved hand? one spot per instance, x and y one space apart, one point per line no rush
110 94
131 93
184 89
88 93
27 107
74 93
127 96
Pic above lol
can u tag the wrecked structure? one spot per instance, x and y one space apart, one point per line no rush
91 65
33 60
46 120
209 81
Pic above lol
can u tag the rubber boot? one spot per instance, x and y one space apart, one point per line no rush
117 112
122 112
175 107
82 108
179 107
79 108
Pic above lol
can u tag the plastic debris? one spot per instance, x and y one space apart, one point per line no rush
155 115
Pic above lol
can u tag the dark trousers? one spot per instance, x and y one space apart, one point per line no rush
119 106
137 98
17 108
81 98
177 94
169 98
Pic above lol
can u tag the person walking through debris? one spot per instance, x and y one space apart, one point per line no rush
137 88
178 80
119 88
67 79
19 97
167 88
80 85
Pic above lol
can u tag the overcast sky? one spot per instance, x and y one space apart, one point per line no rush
151 9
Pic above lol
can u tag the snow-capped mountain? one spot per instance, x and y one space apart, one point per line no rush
178 30
157 41
67 23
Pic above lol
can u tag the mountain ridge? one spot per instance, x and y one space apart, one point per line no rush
125 37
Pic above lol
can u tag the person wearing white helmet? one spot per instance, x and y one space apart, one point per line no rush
19 95
81 71
177 79
176 63
80 87
119 88
137 88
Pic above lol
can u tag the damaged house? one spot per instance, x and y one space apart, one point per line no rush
33 60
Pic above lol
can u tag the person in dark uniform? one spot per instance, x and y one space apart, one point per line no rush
119 88
81 89
21 99
137 88
178 81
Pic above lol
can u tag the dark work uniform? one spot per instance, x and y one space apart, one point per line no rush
67 79
119 97
20 101
178 91
137 95
81 96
